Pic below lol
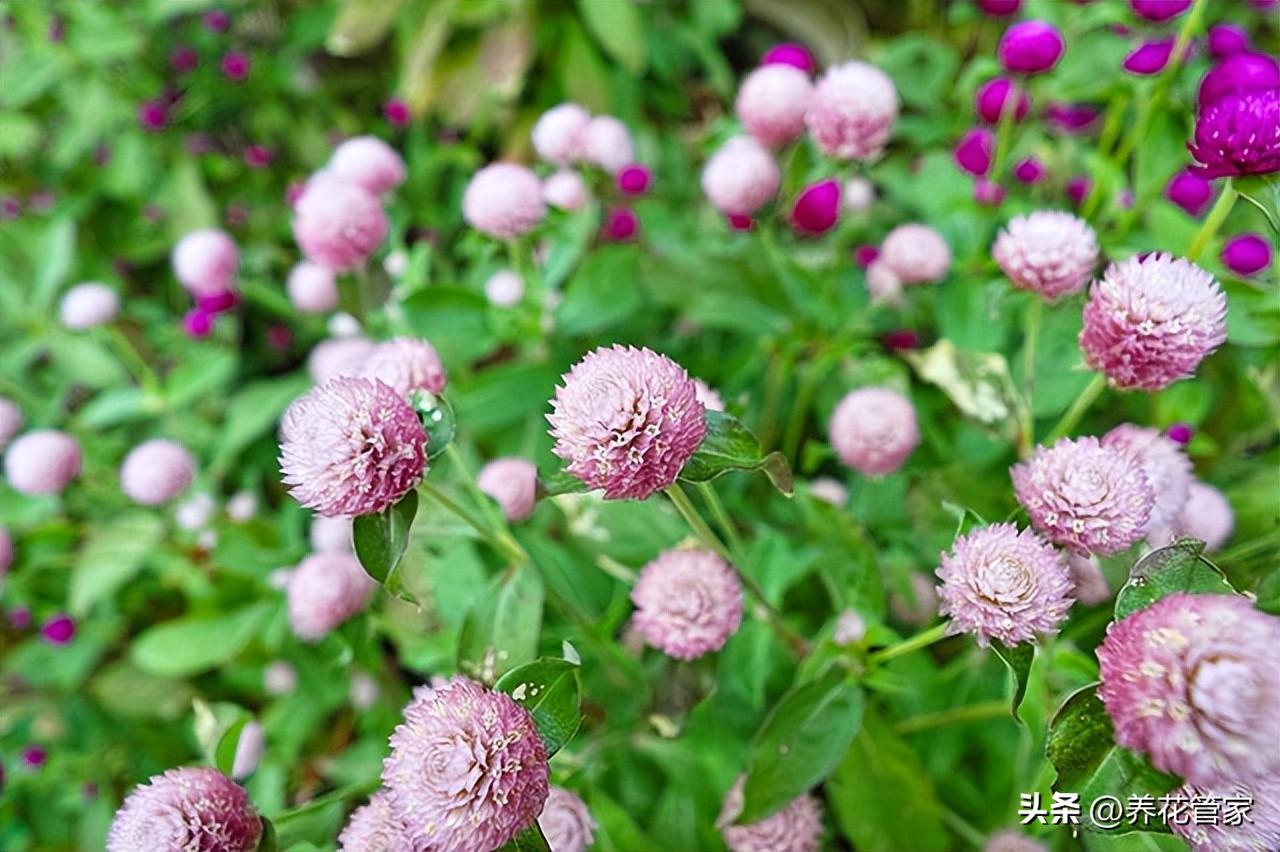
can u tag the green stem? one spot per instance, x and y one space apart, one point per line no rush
503 543
1081 404
1035 316
936 633
341 794
616 569
722 517
810 377
1004 136
484 501
961 826
1217 215
953 715
133 361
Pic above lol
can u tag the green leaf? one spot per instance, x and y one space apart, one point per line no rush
196 643
617 25
1269 593
729 445
438 420
559 482
268 842
801 741
453 319
601 293
218 727
530 839
548 688
1179 568
501 630
1018 658
111 556
361 25
252 412
53 261
380 540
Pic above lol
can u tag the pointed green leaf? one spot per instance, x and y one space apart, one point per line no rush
548 688
1018 658
1179 568
729 445
501 630
529 840
380 540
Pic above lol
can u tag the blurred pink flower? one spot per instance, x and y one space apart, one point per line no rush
817 208
42 462
566 822
324 591
795 828
1048 252
368 162
184 809
688 603
566 190
772 101
156 472
916 253
852 111
608 144
88 305
373 827
338 224
1030 47
788 53
1165 465
312 288
560 134
513 483
503 200
205 262
406 364
741 177
874 430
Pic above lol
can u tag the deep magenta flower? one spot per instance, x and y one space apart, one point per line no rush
741 177
1242 74
1239 135
788 53
397 114
156 472
513 483
59 629
1000 8
183 59
1159 10
1030 47
772 102
1226 40
503 200
993 97
368 162
373 827
406 364
42 462
1189 191
688 603
1246 254
975 150
1047 252
817 208
988 193
566 822
621 224
795 828
153 115
635 179
1165 465
916 253
1029 171
852 112
198 323
626 420
325 590
1150 57
874 430
560 134
1071 119
1193 682
235 66
192 808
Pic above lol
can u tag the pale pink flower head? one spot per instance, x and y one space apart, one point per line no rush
1206 515
192 808
795 828
850 628
852 111
858 194
368 162
708 396
312 288
1165 465
42 462
467 770
1150 321
1258 832
339 356
772 102
916 253
874 430
1011 840
351 447
503 200
1088 585
324 591
883 283
1086 496
608 144
688 603
560 134
741 177
566 822
1193 682
88 305
504 288
406 364
205 262
565 190
1002 583
1047 252
626 420
829 490
330 535
157 471
11 420
338 224
513 483
373 827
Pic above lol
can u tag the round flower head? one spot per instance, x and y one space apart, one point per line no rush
1189 191
1150 321
916 253
883 284
88 305
351 447
565 190
312 288
1030 47
330 535
1259 832
156 471
1159 10
324 591
975 150
993 98
850 628
338 224
566 822
1150 57
192 808
858 194
999 8
789 53
1242 74
503 200
205 262
1088 585
504 288
795 828
1246 254
467 770
1227 40
608 144
42 462
829 490
741 177
1193 682
817 208
279 678
560 134
1165 465
368 162
373 827
1239 135
1004 584
513 483
772 101
1207 516
852 111
406 364
1047 252
626 420
337 357
688 603
874 430
11 420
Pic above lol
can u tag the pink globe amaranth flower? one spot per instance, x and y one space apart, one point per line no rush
6 551
183 59
192 808
739 222
621 224
1258 832
467 769
874 430
156 471
1012 840
1030 47
88 305
205 262
513 483
850 627
1193 682
1166 466
974 151
11 420
772 102
1243 74
42 462
397 114
817 208
368 162
708 396
626 420
1238 135
634 180
560 134
1089 587
1029 171
1150 321
324 591
916 253
688 603
217 303
741 177
999 8
789 53
987 193
1078 189
351 447
1150 57
503 200
829 490
857 195
993 97
59 630
198 323
257 156
504 288
216 21
374 827
565 190
1159 10
406 364
1086 496
852 111
340 356
153 115
883 284
900 340
279 678
1246 254
1206 515
235 66
1071 119
1047 252
608 144
866 254
795 828
566 822
1003 584
1226 40
1189 191
1180 433
330 535
338 224
312 288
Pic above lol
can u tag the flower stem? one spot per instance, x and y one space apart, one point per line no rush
1081 404
936 633
134 362
1035 315
500 541
1217 215
722 517
953 715
486 504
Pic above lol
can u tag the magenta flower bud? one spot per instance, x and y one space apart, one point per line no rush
34 757
205 262
916 253
608 144
153 115
865 255
1150 57
999 8
988 193
993 97
397 114
852 111
900 340
1078 188
688 603
1227 40
216 21
184 59
873 430
1029 171
1180 433
187 808
1239 135
1166 466
338 224
883 284
312 288
11 420
503 200
504 289
368 162
560 134
512 483
789 53
156 471
1159 10
817 208
1242 74
235 66
741 177
565 190
374 826
1189 191
621 224
59 630
634 179
566 822
19 618
42 462
88 305
6 551
974 151
740 221
772 102
197 323
1030 47
1047 252
1247 254
325 590
1071 119
257 156
795 828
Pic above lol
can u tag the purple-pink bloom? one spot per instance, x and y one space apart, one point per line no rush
916 253
1206 515
368 162
988 193
235 66
565 189
1000 8
789 53
1071 119
634 179
1029 171
374 827
42 462
993 98
1047 252
795 828
852 111
192 808
205 262
406 364
1159 10
1166 466
621 224
156 471
772 102
1150 57
396 112
974 151
338 224
608 144
513 483
11 420
324 590
1246 254
183 59
1078 189
559 135
503 200
1242 74
740 177
59 630
874 430
1239 135
566 822
198 323
688 603
153 115
312 288
6 551
1030 47
1180 433
34 756
817 208
1226 40
1258 832
1189 191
